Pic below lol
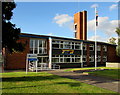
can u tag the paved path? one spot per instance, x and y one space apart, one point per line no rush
90 79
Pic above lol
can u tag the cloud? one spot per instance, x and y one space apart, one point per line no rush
105 25
94 5
63 19
98 38
114 6
50 34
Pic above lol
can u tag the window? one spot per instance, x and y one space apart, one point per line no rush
104 58
84 58
38 46
84 46
42 59
98 48
91 47
75 26
75 34
91 58
66 45
66 59
99 59
104 48
78 46
55 45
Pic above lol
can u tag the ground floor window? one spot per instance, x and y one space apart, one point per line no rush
43 59
91 58
66 59
104 58
99 59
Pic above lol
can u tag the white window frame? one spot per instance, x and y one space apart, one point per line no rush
104 48
92 58
98 47
42 48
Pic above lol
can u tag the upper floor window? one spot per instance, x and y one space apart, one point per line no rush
84 46
75 26
98 48
104 48
91 47
38 46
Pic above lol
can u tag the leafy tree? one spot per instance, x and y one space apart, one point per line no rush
118 47
10 34
112 40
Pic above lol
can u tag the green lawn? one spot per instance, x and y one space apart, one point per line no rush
90 68
42 82
113 74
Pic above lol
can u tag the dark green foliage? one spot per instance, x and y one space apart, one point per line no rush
10 34
118 47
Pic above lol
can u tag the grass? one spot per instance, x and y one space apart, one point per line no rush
90 68
113 74
43 82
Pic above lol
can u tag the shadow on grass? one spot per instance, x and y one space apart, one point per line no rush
30 78
72 84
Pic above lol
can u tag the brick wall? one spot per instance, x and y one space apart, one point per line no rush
17 60
112 57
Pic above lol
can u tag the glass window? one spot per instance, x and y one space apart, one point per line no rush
104 48
75 26
38 46
77 46
55 45
91 58
98 48
84 58
84 47
77 60
55 60
99 59
104 58
91 47
40 43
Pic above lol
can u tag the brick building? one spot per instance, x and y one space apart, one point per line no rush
66 52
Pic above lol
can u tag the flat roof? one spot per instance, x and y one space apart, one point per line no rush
59 38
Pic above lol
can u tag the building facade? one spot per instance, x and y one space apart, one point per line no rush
66 52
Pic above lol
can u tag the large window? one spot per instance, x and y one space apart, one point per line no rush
38 46
66 58
56 44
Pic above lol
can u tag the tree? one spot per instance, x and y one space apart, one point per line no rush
10 34
118 47
112 41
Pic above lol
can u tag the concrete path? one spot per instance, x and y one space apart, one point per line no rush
90 79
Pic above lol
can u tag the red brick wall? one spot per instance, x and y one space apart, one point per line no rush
112 57
18 60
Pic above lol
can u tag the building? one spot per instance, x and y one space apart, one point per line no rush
66 52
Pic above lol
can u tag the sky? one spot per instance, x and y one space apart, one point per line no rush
56 18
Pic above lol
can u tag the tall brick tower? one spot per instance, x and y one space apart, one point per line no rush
80 25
